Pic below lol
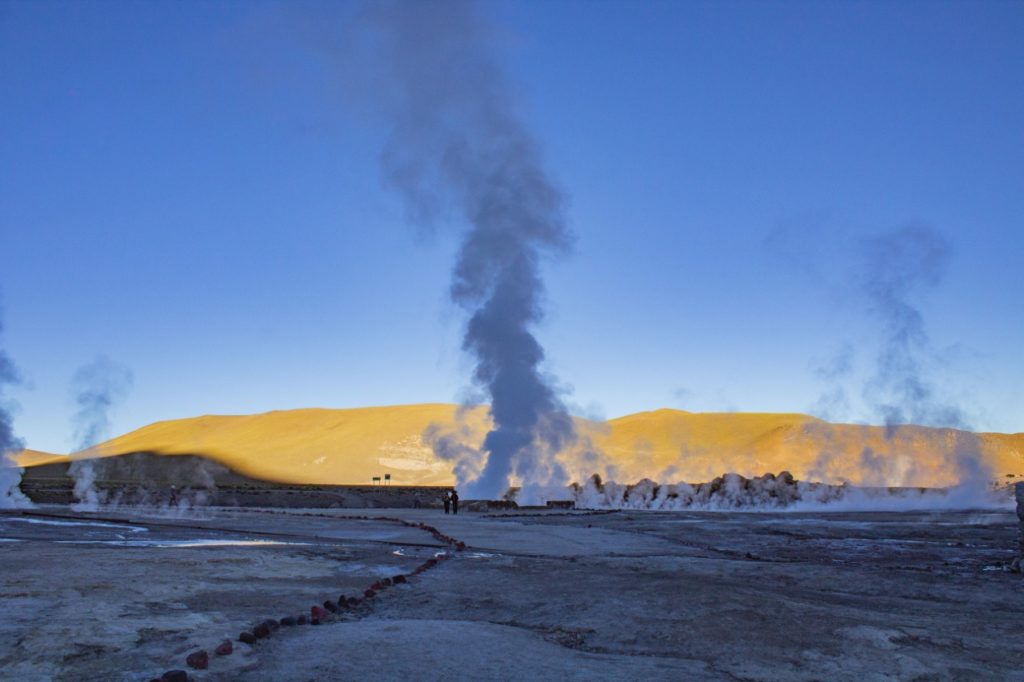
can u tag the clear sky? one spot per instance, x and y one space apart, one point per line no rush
185 189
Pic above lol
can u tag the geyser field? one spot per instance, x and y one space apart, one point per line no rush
542 595
772 207
232 534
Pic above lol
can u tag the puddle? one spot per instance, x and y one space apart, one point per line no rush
91 524
420 552
381 570
181 543
414 553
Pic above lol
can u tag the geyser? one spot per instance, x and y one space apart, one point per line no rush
896 265
10 473
895 268
457 145
96 388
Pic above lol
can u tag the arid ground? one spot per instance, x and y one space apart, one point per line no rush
546 595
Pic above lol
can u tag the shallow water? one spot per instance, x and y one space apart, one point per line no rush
181 543
95 524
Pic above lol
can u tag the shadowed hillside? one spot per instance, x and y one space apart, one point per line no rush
322 446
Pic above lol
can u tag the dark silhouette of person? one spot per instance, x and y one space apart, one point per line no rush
455 502
447 502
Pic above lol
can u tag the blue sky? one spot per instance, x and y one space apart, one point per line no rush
185 189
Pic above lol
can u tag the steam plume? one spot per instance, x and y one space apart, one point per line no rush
10 474
833 404
96 387
456 145
896 268
898 264
732 492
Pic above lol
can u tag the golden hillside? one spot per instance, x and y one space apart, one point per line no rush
324 446
32 458
671 445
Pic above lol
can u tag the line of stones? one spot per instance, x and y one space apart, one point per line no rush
200 660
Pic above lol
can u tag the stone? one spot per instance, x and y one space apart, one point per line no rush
261 631
331 606
272 624
369 594
301 620
174 676
317 613
288 621
398 579
200 660
225 648
247 637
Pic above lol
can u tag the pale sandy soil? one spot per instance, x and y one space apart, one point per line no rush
846 596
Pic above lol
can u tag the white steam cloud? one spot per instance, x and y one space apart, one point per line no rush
732 492
97 387
10 474
895 268
896 265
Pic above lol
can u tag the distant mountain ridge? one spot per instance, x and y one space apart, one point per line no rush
339 446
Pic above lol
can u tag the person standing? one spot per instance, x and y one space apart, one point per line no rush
447 502
455 502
